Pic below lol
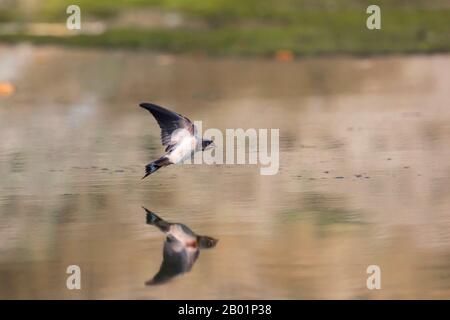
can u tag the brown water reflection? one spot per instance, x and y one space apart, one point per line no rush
364 175
181 248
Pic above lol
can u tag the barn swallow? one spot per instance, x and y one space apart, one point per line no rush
181 248
178 134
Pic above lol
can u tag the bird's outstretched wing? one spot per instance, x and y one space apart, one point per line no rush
169 122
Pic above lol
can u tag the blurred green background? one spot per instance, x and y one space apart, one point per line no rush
237 27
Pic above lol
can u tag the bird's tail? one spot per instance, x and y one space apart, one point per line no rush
154 220
155 165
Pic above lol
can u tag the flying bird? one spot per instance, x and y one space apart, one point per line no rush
181 248
178 134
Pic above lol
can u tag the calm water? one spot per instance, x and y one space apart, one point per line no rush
364 176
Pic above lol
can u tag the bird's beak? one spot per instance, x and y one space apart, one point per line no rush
211 146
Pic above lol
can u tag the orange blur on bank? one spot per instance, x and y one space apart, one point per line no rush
6 89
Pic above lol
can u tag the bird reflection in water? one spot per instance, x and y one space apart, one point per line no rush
181 248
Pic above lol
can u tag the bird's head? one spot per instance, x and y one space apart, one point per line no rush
207 144
205 242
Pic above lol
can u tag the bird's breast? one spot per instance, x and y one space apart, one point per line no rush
183 150
181 235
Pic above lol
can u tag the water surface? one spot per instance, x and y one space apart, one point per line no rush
364 176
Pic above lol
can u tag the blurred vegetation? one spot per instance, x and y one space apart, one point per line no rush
256 27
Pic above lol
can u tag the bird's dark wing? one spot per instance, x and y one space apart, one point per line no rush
169 121
176 260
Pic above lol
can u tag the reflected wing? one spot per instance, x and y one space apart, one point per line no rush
169 122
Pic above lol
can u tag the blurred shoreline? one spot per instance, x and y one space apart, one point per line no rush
281 29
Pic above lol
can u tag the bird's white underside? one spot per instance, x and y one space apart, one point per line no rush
186 145
177 232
